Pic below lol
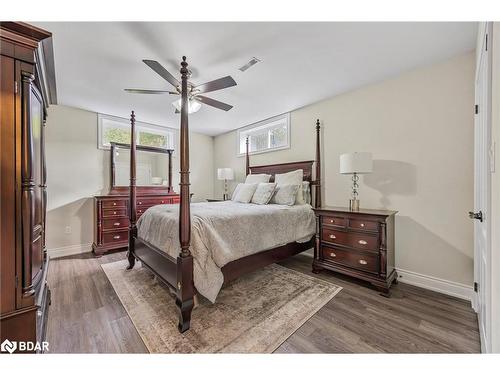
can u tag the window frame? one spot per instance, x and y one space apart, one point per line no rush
139 126
263 123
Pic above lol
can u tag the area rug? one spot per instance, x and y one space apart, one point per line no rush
254 314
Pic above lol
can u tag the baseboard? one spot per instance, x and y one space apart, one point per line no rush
447 287
64 251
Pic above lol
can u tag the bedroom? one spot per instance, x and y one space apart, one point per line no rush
217 187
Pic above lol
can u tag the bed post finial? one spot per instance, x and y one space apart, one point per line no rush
132 193
317 195
185 288
247 156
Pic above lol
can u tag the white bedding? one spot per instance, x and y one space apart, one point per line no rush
225 231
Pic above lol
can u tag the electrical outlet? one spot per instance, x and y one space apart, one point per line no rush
67 229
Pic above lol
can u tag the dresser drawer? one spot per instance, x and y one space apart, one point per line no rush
152 201
352 239
114 212
362 262
114 237
119 223
363 224
114 203
337 221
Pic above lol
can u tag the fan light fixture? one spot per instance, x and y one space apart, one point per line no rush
193 105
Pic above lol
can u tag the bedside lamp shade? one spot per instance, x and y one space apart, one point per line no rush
225 174
356 162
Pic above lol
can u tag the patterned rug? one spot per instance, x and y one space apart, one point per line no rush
254 314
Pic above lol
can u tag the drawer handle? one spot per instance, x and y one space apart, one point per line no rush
114 203
362 225
114 212
332 221
332 236
117 224
362 242
362 261
333 255
140 202
116 237
140 211
162 202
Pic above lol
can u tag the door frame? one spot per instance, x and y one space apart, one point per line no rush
484 46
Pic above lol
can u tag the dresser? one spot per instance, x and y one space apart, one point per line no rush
356 243
111 218
26 92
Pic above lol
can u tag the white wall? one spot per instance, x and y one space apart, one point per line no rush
419 128
77 170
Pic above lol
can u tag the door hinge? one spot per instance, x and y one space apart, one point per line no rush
476 287
476 109
16 87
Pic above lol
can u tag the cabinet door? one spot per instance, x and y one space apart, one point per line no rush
36 120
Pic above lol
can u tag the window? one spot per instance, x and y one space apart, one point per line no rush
117 129
268 135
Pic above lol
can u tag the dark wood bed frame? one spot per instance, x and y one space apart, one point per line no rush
177 273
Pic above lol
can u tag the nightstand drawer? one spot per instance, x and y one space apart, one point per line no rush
363 262
337 221
109 224
356 240
115 212
363 224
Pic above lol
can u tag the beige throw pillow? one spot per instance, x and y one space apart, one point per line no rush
263 193
285 194
257 178
245 193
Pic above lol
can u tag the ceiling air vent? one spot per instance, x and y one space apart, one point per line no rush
249 64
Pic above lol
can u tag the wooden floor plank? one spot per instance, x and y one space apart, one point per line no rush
86 316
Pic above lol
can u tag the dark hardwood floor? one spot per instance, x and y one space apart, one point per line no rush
86 316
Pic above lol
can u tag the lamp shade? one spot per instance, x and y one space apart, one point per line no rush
225 174
356 162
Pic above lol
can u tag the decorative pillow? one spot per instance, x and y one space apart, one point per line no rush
245 193
292 178
263 193
257 178
285 194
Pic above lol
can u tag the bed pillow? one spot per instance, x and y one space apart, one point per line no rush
292 178
235 191
263 193
257 178
285 194
306 191
245 193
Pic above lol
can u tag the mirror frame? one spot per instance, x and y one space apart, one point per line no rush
145 190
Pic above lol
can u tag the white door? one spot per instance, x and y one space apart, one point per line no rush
482 139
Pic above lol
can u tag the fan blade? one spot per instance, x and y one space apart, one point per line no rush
213 102
158 68
141 91
218 84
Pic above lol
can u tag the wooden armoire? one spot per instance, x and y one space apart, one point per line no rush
27 88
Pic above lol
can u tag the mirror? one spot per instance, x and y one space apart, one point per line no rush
153 166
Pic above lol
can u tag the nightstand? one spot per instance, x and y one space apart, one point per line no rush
356 243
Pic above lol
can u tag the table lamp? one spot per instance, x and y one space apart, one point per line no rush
225 174
355 163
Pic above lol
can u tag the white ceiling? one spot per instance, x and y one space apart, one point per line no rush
302 63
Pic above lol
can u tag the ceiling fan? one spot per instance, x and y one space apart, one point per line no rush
195 99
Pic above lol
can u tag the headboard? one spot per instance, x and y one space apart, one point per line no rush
273 169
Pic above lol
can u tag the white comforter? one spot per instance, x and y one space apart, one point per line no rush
225 231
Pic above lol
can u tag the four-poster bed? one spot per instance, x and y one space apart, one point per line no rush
177 271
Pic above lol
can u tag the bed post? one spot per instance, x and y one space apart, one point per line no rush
317 195
170 189
247 158
132 202
185 288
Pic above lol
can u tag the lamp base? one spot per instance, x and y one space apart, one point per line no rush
354 204
225 196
